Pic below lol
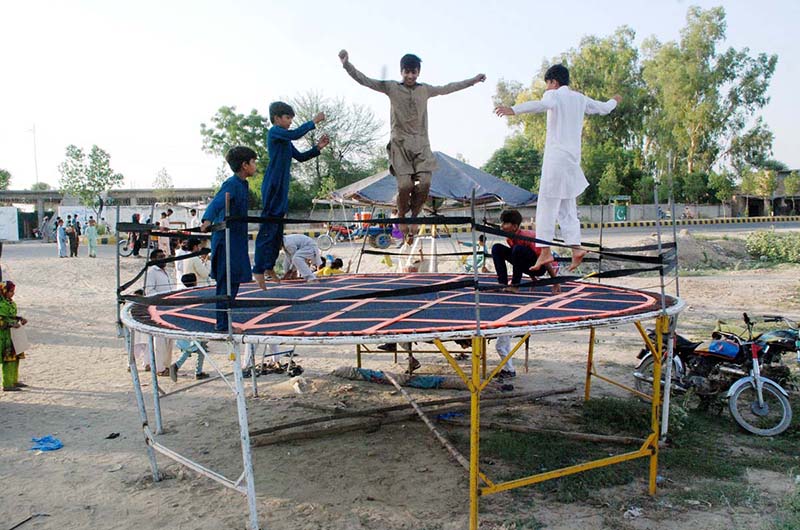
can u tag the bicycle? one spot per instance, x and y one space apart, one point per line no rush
334 234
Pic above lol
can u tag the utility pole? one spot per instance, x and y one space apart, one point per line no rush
35 156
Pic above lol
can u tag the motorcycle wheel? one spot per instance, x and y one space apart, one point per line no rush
643 377
324 242
123 248
772 420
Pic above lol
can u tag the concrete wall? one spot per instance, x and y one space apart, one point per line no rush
9 227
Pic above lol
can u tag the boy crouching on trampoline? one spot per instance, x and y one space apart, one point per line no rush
521 253
275 187
299 250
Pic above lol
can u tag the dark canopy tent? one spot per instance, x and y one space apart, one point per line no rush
452 184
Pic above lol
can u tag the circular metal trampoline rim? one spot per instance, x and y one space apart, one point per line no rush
131 323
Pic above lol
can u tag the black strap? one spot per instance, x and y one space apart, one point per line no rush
382 253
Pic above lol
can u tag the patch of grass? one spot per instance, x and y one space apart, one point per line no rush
718 494
614 416
530 454
789 516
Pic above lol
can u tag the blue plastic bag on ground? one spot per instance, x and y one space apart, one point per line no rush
47 443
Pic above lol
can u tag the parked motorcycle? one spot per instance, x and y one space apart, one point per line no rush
730 369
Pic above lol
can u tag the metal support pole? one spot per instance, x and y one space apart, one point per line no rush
137 389
251 355
120 329
154 374
228 267
589 366
244 432
668 378
358 355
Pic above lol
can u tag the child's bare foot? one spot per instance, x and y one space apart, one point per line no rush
512 289
262 283
272 276
556 289
544 258
577 258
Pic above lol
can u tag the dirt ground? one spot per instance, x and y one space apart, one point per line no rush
396 477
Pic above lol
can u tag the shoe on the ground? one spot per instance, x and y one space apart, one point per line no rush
506 374
20 384
173 372
11 389
147 368
163 373
201 375
413 364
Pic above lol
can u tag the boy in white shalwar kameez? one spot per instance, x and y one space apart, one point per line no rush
300 249
562 177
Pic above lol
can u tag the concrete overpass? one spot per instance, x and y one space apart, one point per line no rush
50 199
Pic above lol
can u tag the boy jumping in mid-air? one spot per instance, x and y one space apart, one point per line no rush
275 187
521 253
410 158
562 178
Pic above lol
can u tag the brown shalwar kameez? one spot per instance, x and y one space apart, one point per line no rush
410 156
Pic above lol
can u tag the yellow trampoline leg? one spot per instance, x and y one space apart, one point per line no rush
474 431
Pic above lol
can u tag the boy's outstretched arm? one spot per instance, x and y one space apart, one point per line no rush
360 78
302 156
601 107
298 132
455 86
543 105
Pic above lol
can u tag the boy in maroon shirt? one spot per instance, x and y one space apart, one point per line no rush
521 253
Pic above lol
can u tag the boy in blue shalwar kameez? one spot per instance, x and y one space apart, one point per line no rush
242 161
275 187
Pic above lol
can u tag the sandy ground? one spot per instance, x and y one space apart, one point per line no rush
396 477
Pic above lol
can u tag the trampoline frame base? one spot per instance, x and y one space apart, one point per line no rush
476 381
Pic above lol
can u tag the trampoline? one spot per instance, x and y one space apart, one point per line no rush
328 311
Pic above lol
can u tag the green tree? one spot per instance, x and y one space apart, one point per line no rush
695 186
609 184
791 187
354 132
163 187
228 129
87 178
41 186
722 186
766 184
703 99
517 162
5 179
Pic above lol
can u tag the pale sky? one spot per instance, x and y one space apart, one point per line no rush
138 78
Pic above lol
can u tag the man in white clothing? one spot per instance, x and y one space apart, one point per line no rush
194 219
299 250
562 178
158 281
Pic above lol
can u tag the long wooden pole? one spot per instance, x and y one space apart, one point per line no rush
447 445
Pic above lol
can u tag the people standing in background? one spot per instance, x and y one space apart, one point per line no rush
61 239
91 238
163 241
194 219
72 235
9 357
158 282
195 269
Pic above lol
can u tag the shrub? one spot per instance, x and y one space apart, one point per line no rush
774 246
